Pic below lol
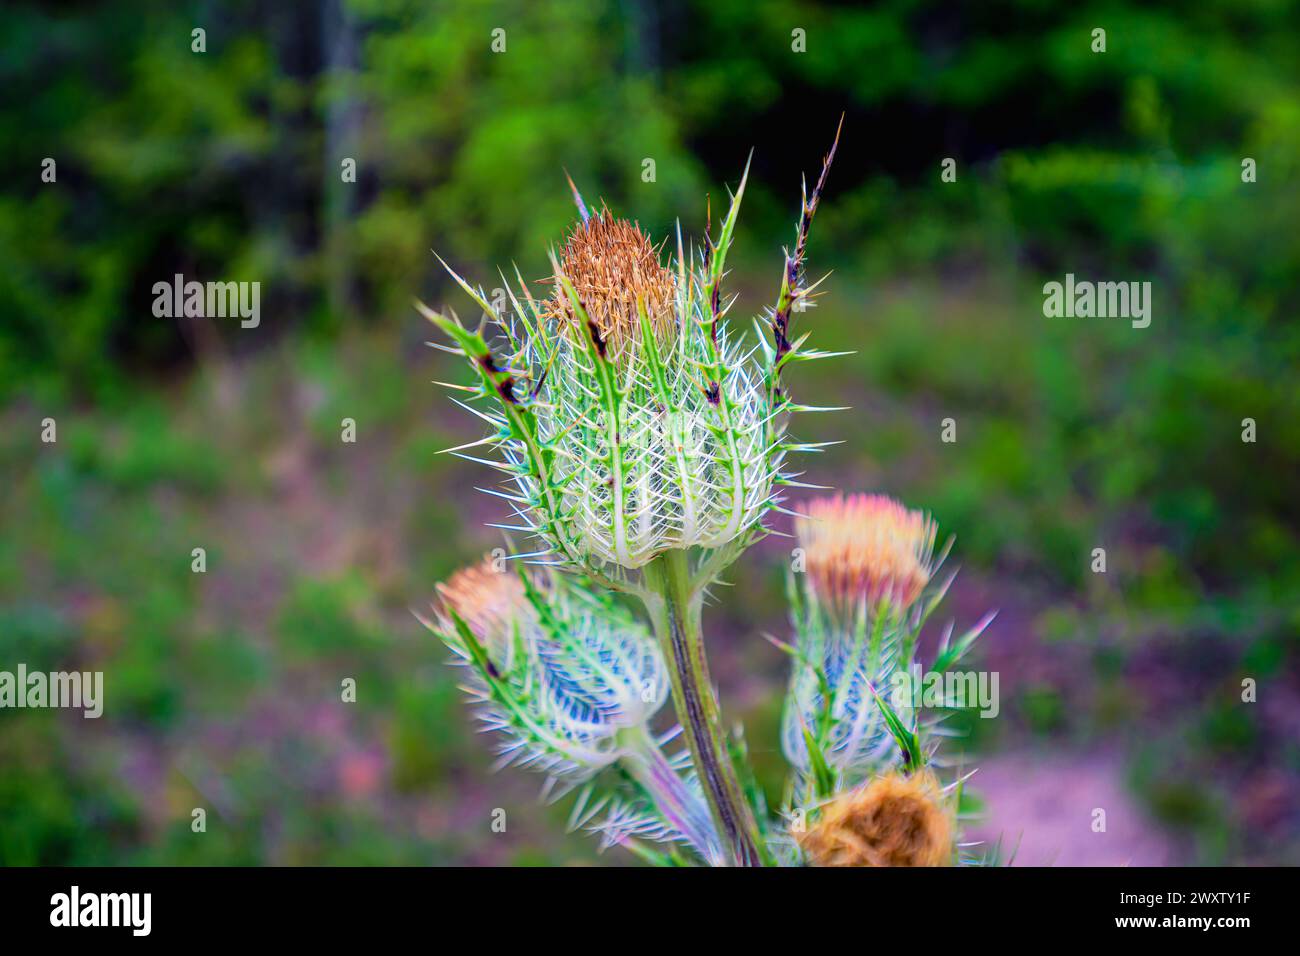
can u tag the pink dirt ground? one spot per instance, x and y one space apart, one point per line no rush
1048 803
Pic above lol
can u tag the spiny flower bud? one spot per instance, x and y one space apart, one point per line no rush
892 821
630 418
572 682
558 670
868 561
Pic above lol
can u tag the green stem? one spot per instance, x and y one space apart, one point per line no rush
675 609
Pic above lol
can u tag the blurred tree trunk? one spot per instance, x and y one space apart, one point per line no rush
339 39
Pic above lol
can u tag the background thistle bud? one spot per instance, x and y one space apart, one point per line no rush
857 613
560 672
894 820
571 681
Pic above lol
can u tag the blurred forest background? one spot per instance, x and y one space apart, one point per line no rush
1119 690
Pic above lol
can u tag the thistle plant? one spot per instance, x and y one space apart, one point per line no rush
644 439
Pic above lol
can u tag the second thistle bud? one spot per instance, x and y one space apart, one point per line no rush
869 560
559 671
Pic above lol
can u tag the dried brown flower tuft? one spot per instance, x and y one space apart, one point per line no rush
892 821
611 264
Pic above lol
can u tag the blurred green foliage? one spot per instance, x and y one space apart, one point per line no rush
1072 434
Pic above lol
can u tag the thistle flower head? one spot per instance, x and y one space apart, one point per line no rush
629 416
559 671
866 548
894 820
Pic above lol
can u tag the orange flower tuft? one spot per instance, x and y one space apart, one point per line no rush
611 264
892 821
487 600
866 547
